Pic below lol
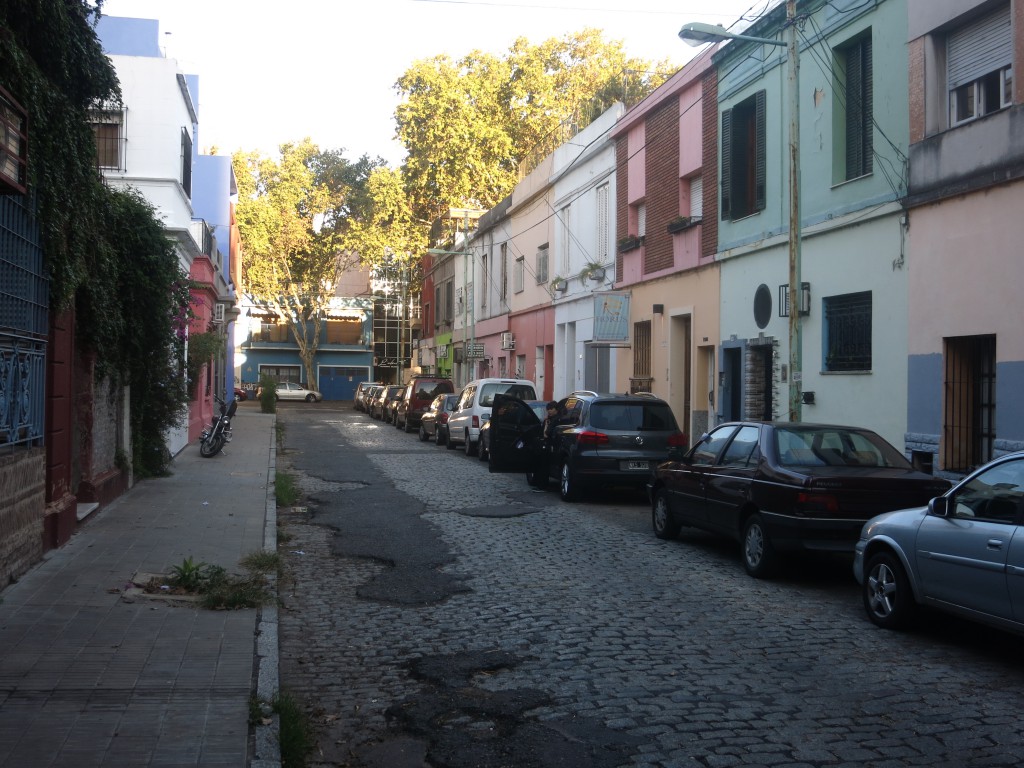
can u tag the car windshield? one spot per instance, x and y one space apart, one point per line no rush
427 390
632 416
510 388
835 447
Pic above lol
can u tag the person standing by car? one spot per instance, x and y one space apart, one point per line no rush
554 414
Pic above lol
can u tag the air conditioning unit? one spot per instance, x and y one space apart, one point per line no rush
218 313
508 340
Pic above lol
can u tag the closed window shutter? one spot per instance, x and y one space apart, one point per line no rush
641 219
726 163
602 224
696 197
859 120
759 160
979 48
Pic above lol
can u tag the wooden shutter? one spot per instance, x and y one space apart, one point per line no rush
759 151
859 115
726 180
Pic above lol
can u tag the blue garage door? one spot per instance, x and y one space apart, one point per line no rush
340 382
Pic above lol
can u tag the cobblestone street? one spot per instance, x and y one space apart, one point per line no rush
436 614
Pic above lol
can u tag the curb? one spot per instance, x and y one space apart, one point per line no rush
268 736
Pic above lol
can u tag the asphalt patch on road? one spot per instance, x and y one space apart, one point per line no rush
459 725
500 510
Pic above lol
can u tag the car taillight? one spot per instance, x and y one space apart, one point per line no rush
476 422
678 440
592 438
443 418
817 502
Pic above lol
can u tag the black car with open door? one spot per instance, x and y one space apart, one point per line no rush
515 434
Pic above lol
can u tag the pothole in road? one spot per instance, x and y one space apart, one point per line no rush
500 510
458 725
310 485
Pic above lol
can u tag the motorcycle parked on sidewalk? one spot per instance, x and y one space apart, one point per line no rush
216 435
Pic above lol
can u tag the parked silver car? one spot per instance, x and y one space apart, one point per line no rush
963 553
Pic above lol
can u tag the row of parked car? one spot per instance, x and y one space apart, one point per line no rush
777 488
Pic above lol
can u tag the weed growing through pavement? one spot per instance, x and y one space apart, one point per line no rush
219 589
286 489
295 736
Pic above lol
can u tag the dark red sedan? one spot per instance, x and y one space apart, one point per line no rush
785 487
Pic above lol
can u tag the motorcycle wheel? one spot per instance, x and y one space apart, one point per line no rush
211 446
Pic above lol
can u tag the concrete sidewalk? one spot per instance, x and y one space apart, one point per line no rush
91 676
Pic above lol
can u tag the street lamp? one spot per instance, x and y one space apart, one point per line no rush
698 34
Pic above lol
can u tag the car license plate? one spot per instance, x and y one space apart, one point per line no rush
636 465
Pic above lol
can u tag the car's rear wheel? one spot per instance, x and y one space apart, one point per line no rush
405 426
888 598
665 525
470 446
759 557
567 486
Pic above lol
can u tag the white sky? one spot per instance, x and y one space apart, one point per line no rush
274 72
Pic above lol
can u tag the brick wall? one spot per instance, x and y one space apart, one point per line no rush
662 174
23 489
709 152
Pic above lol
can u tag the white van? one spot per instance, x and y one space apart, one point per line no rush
474 408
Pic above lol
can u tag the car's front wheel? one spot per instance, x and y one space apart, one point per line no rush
759 557
888 598
423 434
448 441
310 398
665 525
481 450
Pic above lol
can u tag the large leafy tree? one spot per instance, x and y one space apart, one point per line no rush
293 215
468 124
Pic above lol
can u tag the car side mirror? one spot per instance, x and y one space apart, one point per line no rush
939 506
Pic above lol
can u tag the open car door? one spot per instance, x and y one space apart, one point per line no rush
516 439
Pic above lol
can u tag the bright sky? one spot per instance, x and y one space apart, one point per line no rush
274 72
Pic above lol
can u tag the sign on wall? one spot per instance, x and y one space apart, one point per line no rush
611 316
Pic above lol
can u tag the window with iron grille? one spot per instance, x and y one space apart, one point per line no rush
848 332
108 129
743 158
542 264
13 145
642 349
969 402
855 91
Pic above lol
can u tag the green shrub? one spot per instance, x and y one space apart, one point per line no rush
268 395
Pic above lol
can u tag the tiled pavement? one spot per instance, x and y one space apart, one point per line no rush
91 675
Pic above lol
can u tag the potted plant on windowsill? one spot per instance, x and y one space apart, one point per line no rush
559 284
630 243
679 223
592 271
